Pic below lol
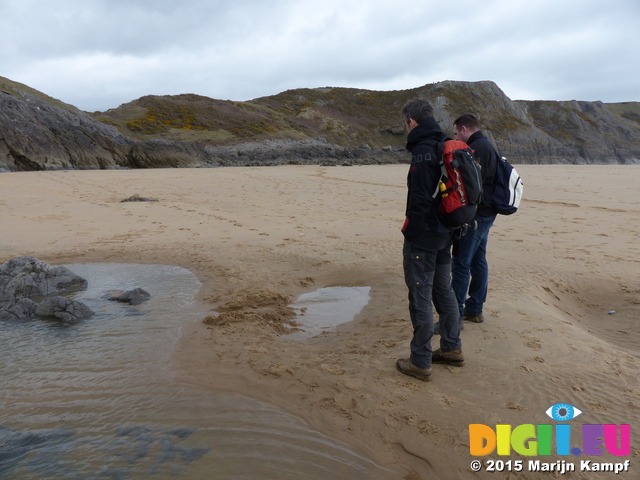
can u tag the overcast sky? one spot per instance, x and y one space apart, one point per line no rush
98 54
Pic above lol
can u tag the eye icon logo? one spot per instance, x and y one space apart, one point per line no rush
563 412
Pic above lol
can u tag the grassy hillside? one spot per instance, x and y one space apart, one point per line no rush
343 116
527 131
191 117
16 89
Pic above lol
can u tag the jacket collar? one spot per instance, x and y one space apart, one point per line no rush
425 130
476 136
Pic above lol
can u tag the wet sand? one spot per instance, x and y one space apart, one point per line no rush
259 237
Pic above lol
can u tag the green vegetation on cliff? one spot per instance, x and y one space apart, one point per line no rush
16 89
344 123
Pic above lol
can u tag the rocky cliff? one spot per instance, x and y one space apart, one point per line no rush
323 125
40 133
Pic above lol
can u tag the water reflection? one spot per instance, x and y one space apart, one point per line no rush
323 309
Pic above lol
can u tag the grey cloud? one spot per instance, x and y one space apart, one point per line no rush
97 54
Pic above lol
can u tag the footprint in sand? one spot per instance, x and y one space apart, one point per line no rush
534 344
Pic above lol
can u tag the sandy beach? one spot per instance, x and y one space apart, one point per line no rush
562 318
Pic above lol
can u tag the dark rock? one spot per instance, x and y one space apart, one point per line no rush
159 153
137 198
20 309
29 277
58 308
132 297
26 276
33 450
296 152
63 309
37 135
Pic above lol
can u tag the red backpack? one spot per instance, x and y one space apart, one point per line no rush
460 186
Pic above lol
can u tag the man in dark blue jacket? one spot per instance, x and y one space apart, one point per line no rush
427 250
470 269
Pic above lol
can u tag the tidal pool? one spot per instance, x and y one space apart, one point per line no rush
97 399
324 309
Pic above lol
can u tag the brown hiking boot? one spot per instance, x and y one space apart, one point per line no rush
405 366
474 317
454 357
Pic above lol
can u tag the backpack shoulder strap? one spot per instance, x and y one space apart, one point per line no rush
439 145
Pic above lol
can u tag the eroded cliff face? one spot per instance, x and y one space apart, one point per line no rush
544 131
335 126
585 132
37 135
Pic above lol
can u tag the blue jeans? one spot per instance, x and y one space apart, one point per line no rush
469 268
428 276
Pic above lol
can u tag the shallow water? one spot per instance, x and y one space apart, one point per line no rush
324 309
96 400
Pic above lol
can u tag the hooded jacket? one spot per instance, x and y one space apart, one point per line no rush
487 157
424 174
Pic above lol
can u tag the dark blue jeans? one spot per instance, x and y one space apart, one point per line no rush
470 270
427 274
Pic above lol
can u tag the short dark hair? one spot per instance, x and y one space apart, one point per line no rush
418 109
467 120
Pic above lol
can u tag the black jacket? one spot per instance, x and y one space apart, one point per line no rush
422 181
487 157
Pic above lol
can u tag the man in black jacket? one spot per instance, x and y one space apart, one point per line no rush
470 269
427 250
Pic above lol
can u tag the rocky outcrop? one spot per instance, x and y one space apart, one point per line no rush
579 132
175 154
56 308
299 152
63 309
330 126
23 280
132 297
544 132
160 153
19 309
334 119
37 135
29 277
